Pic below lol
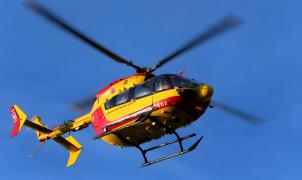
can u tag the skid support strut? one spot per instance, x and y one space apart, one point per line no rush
178 140
171 131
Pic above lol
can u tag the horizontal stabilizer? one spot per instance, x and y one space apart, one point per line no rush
72 145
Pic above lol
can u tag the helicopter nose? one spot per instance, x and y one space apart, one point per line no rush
205 92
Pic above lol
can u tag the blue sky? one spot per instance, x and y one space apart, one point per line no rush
255 67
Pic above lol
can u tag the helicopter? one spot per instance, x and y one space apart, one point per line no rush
136 109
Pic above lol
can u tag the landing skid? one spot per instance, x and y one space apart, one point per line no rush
147 163
179 140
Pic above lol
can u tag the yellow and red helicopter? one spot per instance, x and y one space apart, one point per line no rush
135 109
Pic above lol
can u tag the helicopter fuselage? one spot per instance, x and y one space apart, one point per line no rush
170 102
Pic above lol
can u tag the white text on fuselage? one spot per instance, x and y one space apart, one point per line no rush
140 112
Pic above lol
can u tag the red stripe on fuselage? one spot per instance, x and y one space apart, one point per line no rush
99 120
122 123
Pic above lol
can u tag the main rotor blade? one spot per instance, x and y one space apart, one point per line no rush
59 22
83 104
238 113
221 27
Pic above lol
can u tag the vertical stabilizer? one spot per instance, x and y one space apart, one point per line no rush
19 118
38 121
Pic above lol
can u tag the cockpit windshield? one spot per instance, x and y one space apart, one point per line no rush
178 81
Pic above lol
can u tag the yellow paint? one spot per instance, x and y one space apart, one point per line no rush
73 154
127 108
121 86
205 92
37 120
79 122
164 95
22 116
113 140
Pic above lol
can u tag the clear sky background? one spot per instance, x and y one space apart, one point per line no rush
256 67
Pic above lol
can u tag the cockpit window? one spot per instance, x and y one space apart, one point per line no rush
178 81
162 83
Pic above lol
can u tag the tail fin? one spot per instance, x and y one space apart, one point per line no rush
19 118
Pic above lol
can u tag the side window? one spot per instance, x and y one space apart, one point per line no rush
141 90
122 98
162 83
137 92
117 100
110 103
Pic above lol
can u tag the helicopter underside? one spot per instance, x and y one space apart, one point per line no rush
156 125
